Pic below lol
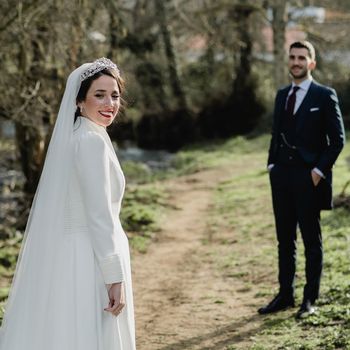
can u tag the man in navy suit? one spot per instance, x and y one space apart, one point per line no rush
307 137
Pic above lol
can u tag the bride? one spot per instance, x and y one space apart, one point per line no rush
72 287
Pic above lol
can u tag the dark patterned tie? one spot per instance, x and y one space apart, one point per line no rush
291 101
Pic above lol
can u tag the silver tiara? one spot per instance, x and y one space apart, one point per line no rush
98 65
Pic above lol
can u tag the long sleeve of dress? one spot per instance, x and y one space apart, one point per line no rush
93 168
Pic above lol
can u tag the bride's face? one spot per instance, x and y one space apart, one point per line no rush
102 101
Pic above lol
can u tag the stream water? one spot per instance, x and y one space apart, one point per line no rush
154 159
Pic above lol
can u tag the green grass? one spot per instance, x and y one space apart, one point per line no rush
143 205
242 221
208 155
137 173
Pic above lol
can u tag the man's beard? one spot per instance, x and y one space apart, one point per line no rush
302 74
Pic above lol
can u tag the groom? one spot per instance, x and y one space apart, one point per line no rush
307 137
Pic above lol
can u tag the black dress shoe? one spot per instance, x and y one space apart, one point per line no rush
306 310
277 304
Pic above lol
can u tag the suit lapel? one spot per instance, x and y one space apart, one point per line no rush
281 105
306 104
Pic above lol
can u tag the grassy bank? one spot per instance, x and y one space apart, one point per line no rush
143 206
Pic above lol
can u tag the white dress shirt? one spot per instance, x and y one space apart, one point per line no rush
301 92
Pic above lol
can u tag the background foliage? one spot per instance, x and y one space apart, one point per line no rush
195 69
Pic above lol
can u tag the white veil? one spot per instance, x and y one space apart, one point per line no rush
31 292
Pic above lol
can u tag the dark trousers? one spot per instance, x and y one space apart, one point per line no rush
295 203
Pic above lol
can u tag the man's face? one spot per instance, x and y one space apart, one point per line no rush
300 64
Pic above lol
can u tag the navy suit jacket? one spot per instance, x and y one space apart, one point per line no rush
320 134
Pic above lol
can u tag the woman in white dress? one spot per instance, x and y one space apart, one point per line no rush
72 287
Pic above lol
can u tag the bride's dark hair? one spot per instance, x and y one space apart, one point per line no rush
85 86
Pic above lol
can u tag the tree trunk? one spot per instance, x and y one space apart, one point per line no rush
30 141
245 107
30 144
243 61
117 29
175 82
279 22
148 72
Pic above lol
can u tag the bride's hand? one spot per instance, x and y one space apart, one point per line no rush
116 299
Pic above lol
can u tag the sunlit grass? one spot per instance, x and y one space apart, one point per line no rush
242 219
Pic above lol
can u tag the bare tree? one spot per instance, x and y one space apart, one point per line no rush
48 39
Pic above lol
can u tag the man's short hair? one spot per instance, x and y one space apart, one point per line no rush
304 45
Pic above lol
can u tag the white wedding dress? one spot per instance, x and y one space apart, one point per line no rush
92 253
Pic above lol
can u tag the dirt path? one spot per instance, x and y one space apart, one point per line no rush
182 299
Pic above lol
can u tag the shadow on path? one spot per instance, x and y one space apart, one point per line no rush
230 332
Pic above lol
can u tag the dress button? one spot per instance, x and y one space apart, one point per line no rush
290 157
281 145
